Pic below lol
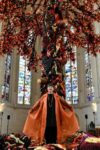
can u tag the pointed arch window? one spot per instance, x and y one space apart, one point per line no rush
89 79
7 76
24 82
71 80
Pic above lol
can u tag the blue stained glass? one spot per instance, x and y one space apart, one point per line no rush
24 83
88 76
6 85
71 81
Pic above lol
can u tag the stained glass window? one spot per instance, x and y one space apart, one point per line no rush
71 81
89 80
7 74
24 82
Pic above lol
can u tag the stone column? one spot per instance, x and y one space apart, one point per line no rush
14 78
36 75
81 76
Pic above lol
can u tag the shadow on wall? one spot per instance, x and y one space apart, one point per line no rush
77 118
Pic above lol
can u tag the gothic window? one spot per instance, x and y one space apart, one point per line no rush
24 82
7 74
89 80
71 80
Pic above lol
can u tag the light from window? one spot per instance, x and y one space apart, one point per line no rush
71 81
24 82
88 75
6 85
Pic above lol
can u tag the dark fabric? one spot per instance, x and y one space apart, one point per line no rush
51 117
89 146
51 135
51 128
47 63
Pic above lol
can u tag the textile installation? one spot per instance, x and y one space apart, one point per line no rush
39 119
62 24
79 141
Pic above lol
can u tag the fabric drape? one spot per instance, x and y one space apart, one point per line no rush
66 121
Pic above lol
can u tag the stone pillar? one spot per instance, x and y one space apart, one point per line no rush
36 75
95 75
14 78
81 76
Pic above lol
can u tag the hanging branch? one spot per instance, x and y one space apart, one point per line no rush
53 20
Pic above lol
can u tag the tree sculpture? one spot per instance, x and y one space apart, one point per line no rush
63 24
